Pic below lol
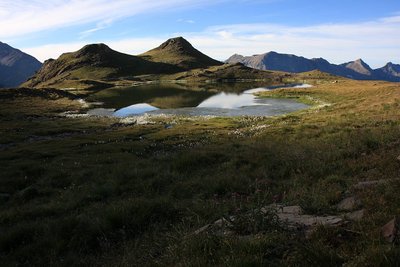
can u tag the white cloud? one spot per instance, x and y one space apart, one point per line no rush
186 21
20 17
99 26
377 42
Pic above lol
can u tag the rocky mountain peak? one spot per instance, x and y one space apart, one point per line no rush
359 66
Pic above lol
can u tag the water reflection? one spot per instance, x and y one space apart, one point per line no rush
134 110
216 99
227 100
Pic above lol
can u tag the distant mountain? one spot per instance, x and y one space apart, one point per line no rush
359 66
15 66
179 52
389 71
94 62
357 69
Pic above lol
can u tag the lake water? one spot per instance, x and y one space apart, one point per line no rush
175 99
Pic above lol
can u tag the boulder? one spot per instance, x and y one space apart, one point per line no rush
355 215
390 230
349 204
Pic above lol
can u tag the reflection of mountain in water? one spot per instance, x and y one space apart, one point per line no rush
160 96
164 96
192 100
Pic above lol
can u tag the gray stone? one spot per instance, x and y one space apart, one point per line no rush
368 184
355 215
296 220
202 229
292 216
293 210
390 230
349 204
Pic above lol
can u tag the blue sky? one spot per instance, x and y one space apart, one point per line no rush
339 31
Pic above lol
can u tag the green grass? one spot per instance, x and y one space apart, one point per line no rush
89 191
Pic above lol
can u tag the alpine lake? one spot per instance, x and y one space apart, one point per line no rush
218 99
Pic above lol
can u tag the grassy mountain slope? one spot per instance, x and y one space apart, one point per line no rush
94 62
179 52
228 72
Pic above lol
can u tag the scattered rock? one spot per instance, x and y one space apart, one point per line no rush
398 158
202 229
293 217
293 210
390 230
139 120
219 227
368 184
355 215
101 112
349 204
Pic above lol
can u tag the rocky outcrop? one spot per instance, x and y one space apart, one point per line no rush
94 62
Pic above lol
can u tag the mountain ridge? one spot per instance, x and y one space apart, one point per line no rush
97 65
357 69
15 66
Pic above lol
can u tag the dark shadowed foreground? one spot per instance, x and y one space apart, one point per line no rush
119 192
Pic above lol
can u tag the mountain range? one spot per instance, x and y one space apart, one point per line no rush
15 66
358 69
99 65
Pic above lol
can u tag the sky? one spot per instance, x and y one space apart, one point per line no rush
337 30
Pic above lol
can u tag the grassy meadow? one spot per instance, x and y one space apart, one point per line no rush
98 192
